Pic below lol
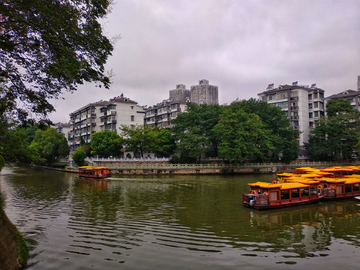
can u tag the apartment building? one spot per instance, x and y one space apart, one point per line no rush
303 104
204 93
162 113
351 95
103 115
63 128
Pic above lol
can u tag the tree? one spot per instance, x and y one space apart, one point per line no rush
46 47
242 136
48 146
165 143
193 130
336 136
106 143
79 157
340 106
140 138
85 147
283 137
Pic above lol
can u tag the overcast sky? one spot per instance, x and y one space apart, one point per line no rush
239 45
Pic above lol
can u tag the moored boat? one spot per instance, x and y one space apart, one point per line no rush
94 172
335 188
277 195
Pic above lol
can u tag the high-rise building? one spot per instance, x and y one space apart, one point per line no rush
302 104
180 93
204 93
358 84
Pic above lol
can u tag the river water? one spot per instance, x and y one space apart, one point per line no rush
177 222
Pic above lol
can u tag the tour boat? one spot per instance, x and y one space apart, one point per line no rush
335 188
94 172
276 195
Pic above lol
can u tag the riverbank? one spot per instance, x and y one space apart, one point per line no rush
13 249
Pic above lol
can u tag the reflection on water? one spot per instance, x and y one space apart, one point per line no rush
179 222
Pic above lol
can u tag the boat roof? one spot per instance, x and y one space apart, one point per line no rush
333 180
101 168
281 186
303 181
352 180
86 167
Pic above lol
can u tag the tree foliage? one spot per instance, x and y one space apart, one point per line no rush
48 147
335 137
14 146
140 138
193 130
106 143
79 157
282 136
46 47
242 136
165 143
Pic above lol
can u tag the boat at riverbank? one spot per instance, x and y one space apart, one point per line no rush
264 195
94 172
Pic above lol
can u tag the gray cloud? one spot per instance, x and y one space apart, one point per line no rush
241 46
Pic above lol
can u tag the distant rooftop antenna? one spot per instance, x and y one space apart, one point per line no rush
270 86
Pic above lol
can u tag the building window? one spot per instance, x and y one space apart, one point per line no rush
310 106
310 96
315 95
132 118
132 107
321 95
316 104
311 115
316 114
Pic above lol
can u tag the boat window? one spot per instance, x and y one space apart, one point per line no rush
356 187
304 192
285 194
347 188
295 193
339 189
313 191
274 196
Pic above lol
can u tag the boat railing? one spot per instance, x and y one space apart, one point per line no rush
261 199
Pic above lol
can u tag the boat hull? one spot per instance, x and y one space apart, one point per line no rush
280 205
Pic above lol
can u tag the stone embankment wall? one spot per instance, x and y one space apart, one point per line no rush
8 244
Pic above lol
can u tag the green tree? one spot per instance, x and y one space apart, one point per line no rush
106 143
193 130
140 138
283 137
336 136
14 146
46 47
79 157
85 147
165 143
339 107
243 136
48 146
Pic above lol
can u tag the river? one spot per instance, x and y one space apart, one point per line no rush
172 222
